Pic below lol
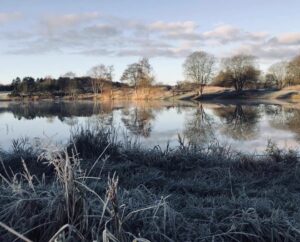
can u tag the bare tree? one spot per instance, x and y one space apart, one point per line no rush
100 74
270 81
139 74
293 69
240 70
279 73
198 67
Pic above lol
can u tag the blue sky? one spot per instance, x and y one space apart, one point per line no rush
40 38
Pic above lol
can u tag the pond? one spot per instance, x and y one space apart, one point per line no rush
244 126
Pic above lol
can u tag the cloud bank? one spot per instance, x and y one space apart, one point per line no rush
97 34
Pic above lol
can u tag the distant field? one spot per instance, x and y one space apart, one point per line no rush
4 95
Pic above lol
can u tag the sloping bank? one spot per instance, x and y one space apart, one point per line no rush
101 190
252 94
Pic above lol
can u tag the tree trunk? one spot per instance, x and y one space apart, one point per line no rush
200 90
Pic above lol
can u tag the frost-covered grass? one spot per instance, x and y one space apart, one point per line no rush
98 189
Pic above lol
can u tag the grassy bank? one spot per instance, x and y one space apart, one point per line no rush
211 93
287 93
117 93
99 189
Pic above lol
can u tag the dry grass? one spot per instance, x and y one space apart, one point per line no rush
131 194
4 96
68 208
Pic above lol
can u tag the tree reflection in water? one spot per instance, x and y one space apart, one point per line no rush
198 127
61 110
138 120
239 122
285 118
102 114
202 123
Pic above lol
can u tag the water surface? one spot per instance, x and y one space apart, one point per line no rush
243 126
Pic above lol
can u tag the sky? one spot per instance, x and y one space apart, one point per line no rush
40 38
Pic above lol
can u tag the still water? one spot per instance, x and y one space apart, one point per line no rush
243 126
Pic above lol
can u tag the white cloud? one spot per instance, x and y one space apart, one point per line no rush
223 33
55 22
185 26
97 34
227 33
267 52
9 17
287 39
102 31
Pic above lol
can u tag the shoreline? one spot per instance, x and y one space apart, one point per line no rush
211 94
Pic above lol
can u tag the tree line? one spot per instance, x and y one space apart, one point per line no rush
200 69
5 88
98 79
239 72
